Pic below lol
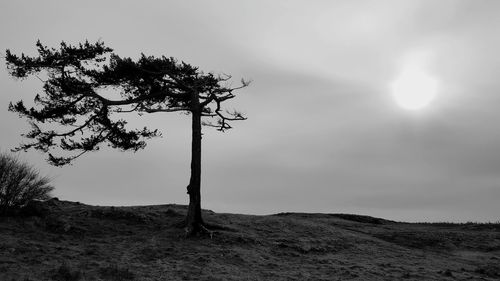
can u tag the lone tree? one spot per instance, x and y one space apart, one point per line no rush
79 83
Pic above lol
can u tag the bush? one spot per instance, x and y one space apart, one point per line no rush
20 183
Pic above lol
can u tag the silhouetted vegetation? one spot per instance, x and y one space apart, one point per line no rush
77 85
20 183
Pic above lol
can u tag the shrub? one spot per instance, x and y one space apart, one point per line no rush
20 183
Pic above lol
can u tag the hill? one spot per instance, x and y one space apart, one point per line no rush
62 240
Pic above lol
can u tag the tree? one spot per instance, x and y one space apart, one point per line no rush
77 87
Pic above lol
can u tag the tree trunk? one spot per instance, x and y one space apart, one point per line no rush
194 221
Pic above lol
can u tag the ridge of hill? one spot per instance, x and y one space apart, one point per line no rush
63 240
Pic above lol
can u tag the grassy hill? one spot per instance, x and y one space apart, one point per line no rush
62 240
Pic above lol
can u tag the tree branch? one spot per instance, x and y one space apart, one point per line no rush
166 110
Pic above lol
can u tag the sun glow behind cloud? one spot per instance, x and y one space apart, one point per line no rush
414 88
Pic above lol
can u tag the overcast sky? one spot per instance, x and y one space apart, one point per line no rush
324 132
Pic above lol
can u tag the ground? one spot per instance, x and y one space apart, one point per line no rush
62 240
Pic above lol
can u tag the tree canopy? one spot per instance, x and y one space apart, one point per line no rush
87 86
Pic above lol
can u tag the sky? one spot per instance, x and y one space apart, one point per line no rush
325 131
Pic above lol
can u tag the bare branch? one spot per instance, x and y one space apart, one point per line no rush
79 128
135 108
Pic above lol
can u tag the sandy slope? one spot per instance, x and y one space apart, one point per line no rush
64 240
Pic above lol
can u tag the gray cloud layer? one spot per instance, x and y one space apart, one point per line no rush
323 134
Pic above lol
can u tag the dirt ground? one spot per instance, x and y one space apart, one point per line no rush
62 240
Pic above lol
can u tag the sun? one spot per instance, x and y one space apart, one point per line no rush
414 88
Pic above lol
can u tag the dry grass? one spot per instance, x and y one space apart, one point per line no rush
72 241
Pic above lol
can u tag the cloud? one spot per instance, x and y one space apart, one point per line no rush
323 132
